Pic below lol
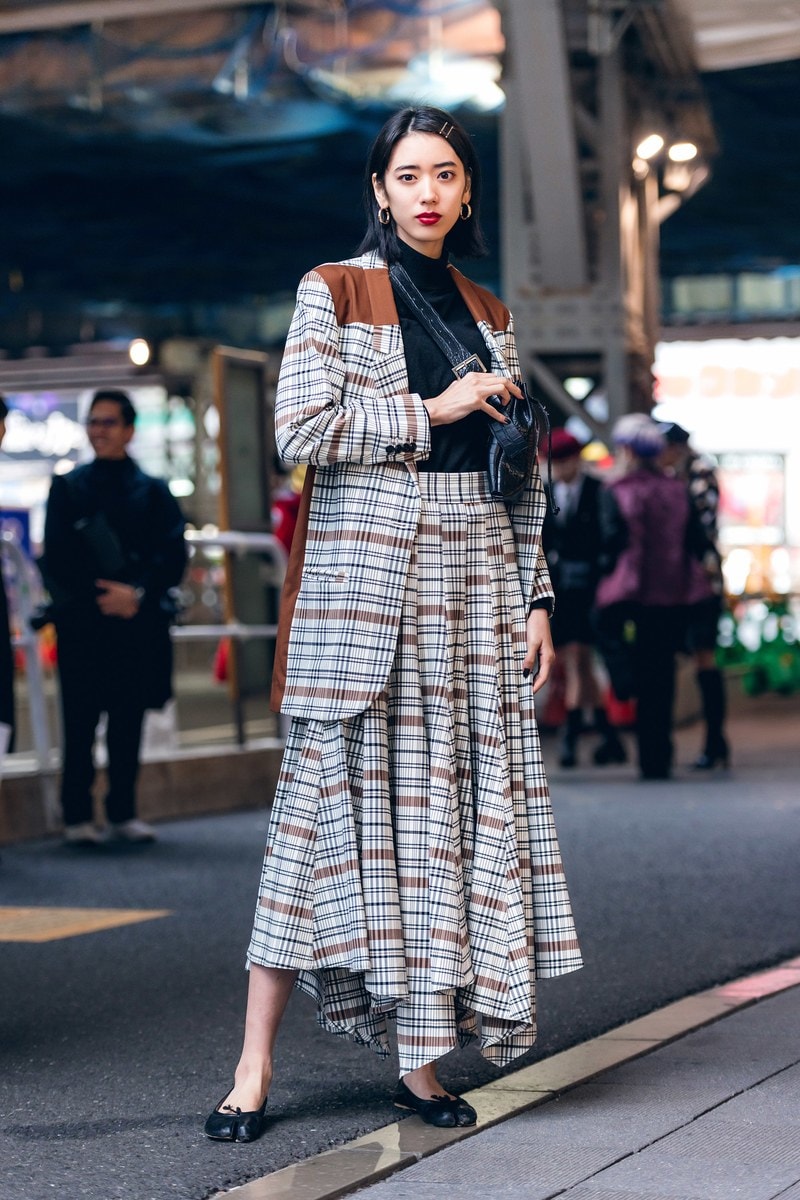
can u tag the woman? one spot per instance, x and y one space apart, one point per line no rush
411 868
650 536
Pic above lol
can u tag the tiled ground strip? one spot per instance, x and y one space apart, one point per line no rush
50 924
377 1155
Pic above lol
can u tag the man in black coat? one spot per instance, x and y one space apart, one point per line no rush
113 549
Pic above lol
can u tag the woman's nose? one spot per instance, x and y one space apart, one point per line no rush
429 191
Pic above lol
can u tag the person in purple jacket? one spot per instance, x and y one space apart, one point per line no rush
651 537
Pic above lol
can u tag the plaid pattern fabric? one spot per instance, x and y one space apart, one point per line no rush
343 404
412 866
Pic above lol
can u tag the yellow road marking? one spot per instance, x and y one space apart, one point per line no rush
50 924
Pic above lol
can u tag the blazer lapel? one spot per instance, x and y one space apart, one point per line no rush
478 312
389 363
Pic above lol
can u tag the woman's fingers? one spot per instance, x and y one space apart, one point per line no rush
546 660
495 385
540 652
494 405
476 390
501 393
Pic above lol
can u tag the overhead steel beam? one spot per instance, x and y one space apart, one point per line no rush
538 87
553 388
614 188
21 18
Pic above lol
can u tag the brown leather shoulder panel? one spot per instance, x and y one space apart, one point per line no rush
482 303
360 295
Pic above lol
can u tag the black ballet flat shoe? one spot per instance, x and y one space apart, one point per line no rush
233 1125
443 1111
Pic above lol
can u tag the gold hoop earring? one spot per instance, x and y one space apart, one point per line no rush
384 216
466 211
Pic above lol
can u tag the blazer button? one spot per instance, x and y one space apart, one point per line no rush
391 450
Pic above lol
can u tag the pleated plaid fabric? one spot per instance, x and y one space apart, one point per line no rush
412 866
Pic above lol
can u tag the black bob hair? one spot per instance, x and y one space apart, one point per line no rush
116 396
465 239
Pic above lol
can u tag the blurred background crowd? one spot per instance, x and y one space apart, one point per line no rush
172 167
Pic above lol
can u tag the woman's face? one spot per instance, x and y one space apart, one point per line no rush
424 187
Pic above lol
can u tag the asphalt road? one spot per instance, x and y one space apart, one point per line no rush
115 1044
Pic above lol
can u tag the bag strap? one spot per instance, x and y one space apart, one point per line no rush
509 438
460 359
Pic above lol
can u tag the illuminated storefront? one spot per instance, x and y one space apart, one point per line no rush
46 434
740 399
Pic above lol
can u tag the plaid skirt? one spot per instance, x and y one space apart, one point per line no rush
412 867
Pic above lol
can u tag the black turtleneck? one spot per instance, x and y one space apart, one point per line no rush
461 446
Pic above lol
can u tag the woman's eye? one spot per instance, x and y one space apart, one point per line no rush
446 175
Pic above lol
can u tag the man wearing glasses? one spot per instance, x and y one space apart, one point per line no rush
113 549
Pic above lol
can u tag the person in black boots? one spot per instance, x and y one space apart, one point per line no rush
706 593
113 549
572 545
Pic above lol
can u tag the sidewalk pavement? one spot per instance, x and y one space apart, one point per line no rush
697 1101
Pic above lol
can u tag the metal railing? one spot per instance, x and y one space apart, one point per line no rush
30 593
233 542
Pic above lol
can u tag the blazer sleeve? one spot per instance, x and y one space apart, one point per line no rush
528 513
543 595
338 399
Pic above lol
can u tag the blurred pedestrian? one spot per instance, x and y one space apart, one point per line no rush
113 549
650 534
412 868
699 475
6 649
572 544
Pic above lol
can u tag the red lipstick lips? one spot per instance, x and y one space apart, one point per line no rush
428 218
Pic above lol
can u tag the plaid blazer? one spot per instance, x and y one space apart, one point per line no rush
343 406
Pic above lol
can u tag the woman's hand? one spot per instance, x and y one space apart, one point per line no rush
540 654
468 394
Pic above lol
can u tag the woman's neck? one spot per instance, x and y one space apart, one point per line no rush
425 272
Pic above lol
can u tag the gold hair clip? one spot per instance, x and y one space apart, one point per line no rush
446 130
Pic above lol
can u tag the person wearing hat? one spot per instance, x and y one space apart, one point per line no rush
705 600
571 542
651 534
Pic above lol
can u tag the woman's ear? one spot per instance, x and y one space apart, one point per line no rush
467 190
380 194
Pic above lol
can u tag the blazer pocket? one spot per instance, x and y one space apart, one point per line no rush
320 576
